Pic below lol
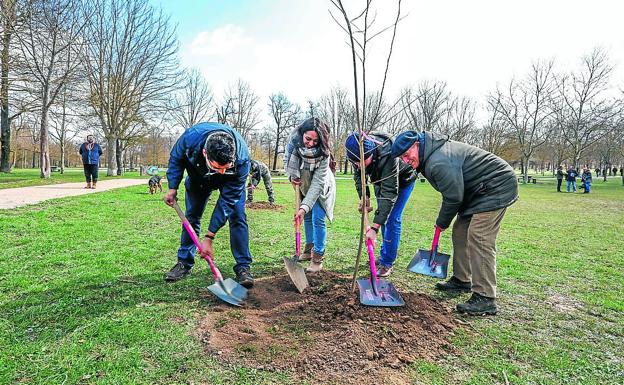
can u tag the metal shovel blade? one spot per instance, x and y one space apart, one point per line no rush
229 291
421 264
296 273
387 294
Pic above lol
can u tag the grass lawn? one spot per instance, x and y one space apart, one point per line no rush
30 177
82 298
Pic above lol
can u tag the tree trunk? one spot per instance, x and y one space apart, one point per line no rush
5 126
62 157
111 145
119 157
275 154
44 145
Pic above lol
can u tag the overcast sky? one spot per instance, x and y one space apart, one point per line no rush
293 46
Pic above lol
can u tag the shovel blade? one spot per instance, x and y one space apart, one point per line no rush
296 273
229 291
388 295
421 264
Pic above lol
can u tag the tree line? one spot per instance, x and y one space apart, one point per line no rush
72 67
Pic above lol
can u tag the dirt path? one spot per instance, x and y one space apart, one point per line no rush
22 196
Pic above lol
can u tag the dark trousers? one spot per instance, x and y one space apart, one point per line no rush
196 200
91 172
559 184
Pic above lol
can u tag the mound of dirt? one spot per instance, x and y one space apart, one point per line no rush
325 335
263 206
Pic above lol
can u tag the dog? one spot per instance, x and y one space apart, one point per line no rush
154 183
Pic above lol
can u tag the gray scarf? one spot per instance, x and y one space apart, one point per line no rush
298 158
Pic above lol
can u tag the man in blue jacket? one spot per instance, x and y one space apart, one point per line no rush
215 157
90 152
476 187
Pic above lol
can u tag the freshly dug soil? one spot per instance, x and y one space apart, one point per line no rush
263 206
325 335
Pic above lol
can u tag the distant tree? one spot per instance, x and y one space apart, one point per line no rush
239 108
192 104
285 115
427 105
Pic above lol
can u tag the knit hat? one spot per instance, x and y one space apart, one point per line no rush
403 142
353 147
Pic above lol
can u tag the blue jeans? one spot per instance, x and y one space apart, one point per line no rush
573 184
392 229
239 231
587 187
315 229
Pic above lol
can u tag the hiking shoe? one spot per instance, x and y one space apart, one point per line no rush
244 277
317 263
177 272
454 284
307 252
478 305
384 271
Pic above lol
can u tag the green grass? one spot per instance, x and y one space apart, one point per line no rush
30 177
82 298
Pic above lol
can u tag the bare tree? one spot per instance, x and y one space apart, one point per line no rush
426 106
63 123
527 106
240 108
459 122
360 33
334 108
132 67
192 104
586 109
49 46
285 115
493 134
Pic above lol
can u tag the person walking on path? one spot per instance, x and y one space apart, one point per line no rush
90 152
307 163
571 175
559 178
257 171
586 179
476 187
215 157
393 182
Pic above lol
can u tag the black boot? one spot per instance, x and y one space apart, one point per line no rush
454 284
478 305
244 277
177 272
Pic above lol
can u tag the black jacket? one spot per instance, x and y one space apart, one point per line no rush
471 180
386 174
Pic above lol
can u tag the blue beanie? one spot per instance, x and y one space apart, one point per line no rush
403 142
353 147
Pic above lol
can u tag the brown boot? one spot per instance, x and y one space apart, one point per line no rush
317 263
93 185
88 185
307 252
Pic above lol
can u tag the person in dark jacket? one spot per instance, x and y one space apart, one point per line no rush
393 182
257 171
90 152
215 157
559 178
476 187
571 175
586 179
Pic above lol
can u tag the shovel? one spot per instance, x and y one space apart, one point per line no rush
227 290
375 291
430 262
293 267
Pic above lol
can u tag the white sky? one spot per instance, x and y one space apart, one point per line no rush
294 46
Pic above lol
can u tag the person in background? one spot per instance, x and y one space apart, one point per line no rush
258 171
586 179
90 152
307 163
571 175
559 177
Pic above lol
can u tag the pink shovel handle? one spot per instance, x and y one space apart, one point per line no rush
297 239
189 230
371 259
436 238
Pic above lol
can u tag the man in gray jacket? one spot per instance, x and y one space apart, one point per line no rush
257 171
476 187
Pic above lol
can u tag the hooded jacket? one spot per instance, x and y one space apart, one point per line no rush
387 175
187 155
471 180
90 156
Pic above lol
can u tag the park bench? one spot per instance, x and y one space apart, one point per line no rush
55 169
529 178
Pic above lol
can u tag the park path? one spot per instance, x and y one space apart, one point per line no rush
21 196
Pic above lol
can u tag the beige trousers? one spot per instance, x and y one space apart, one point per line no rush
474 250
